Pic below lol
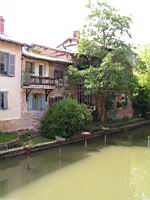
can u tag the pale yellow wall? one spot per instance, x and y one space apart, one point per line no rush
12 84
49 67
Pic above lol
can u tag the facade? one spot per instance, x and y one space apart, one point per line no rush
10 79
43 82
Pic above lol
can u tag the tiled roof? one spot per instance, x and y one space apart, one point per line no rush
55 49
7 38
43 57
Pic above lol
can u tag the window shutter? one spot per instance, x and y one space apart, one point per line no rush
0 100
41 102
30 102
11 66
5 100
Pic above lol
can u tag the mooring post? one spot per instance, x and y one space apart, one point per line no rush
60 152
148 142
105 139
28 162
85 143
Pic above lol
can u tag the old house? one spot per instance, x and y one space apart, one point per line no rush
10 80
32 77
44 79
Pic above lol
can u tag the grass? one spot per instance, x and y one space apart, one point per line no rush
24 140
5 137
126 121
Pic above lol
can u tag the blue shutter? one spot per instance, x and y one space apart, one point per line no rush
41 102
29 103
11 65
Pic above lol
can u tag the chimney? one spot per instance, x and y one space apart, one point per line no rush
1 24
76 34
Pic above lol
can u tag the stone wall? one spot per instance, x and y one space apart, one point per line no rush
10 125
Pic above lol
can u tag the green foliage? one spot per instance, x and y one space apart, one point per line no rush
141 96
4 137
141 100
105 27
104 61
65 118
113 73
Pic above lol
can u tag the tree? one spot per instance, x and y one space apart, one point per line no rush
141 95
104 60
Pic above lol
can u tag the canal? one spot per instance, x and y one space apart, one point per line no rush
118 171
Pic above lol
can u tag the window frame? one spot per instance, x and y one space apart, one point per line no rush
3 100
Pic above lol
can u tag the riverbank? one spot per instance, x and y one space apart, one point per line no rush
97 132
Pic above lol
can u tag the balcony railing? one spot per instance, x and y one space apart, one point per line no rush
30 79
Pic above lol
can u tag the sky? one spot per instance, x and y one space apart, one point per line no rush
50 22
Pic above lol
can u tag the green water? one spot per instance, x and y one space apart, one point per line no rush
118 171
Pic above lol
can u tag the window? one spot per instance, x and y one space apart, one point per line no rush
41 70
36 102
82 97
29 68
58 74
3 100
7 64
3 62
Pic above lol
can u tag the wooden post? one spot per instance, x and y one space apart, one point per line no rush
85 143
60 152
105 139
148 142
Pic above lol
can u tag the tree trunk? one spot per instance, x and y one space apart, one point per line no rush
103 110
98 105
100 100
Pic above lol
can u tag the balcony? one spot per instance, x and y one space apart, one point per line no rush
34 80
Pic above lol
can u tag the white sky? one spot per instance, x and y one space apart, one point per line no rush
49 22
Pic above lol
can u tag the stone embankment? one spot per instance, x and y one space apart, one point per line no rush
27 150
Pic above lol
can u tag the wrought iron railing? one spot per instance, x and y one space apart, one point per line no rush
30 79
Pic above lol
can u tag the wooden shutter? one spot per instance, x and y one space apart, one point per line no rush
11 66
5 100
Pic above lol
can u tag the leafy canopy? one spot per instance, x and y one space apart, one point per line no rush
104 59
104 27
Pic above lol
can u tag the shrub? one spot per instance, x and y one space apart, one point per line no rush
64 118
